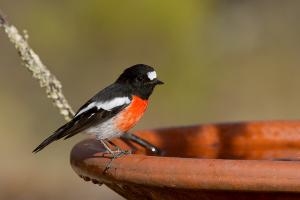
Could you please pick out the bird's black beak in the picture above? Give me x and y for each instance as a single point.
(155, 82)
(158, 82)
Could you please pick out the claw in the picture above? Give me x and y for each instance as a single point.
(122, 153)
(114, 153)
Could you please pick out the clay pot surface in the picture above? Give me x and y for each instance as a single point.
(245, 160)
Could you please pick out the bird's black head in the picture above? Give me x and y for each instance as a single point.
(141, 79)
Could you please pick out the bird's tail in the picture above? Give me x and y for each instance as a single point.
(60, 133)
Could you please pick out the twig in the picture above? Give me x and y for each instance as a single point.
(38, 70)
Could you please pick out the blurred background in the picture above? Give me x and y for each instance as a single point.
(222, 61)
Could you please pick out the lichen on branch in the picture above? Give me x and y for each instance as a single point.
(38, 70)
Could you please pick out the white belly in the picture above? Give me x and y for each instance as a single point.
(105, 130)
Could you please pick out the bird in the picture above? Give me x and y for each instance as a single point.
(112, 111)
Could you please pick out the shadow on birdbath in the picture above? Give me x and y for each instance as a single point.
(246, 160)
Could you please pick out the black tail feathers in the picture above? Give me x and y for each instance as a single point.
(47, 141)
(60, 133)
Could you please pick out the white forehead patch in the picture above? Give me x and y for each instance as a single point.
(152, 75)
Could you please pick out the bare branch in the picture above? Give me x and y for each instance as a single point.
(38, 70)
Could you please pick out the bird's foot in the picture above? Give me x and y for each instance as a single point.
(119, 153)
(116, 154)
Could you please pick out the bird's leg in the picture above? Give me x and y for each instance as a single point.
(114, 145)
(107, 147)
(118, 148)
(116, 154)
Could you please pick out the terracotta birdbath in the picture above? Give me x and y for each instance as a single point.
(246, 160)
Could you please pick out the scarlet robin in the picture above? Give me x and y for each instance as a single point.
(112, 111)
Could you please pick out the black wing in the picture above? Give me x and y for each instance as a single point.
(79, 123)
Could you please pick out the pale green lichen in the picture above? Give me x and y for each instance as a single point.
(38, 70)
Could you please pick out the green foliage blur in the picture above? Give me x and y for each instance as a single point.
(221, 61)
